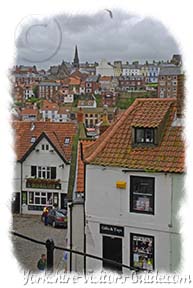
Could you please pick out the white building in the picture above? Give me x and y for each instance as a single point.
(28, 92)
(69, 98)
(63, 115)
(43, 152)
(134, 184)
(49, 110)
(131, 70)
(104, 69)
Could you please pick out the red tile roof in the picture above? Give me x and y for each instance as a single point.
(63, 110)
(146, 117)
(49, 106)
(74, 80)
(55, 132)
(29, 111)
(105, 78)
(114, 147)
(80, 166)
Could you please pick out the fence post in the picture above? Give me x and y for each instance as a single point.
(50, 254)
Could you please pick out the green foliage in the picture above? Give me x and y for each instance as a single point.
(19, 104)
(76, 98)
(33, 100)
(125, 103)
(35, 91)
(98, 100)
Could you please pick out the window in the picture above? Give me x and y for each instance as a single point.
(37, 198)
(43, 172)
(31, 197)
(142, 251)
(144, 135)
(45, 147)
(66, 140)
(142, 194)
(33, 139)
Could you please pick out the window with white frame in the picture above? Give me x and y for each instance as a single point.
(37, 198)
(42, 198)
(66, 140)
(45, 172)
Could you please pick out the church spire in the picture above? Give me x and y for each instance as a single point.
(76, 59)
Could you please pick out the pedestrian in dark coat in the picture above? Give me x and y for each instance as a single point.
(42, 262)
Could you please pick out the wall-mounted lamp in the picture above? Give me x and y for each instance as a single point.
(61, 166)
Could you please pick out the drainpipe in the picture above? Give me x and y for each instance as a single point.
(21, 187)
(82, 159)
(70, 207)
(84, 223)
(171, 222)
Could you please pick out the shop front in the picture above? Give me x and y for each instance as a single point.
(35, 201)
(112, 245)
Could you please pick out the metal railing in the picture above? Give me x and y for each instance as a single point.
(50, 246)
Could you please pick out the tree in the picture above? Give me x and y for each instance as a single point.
(35, 91)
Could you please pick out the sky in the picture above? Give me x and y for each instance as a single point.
(47, 41)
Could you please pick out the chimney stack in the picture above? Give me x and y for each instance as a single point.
(80, 116)
(105, 124)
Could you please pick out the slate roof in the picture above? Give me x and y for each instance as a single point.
(49, 84)
(115, 148)
(176, 70)
(55, 133)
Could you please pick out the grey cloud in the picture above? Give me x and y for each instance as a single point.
(126, 37)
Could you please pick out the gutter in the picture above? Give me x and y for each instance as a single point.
(21, 187)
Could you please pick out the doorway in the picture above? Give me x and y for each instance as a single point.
(16, 203)
(112, 250)
(64, 201)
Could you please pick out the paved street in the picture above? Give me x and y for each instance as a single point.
(28, 253)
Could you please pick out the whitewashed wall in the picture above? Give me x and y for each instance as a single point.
(46, 158)
(108, 205)
(17, 177)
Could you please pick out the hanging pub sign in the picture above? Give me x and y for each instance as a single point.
(111, 230)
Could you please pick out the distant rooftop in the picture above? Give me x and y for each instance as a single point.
(170, 70)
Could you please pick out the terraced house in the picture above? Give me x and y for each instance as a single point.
(134, 184)
(43, 157)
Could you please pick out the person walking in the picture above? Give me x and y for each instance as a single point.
(46, 216)
(42, 263)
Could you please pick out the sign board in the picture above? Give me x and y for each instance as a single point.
(111, 230)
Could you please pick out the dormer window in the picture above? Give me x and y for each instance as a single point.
(144, 135)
